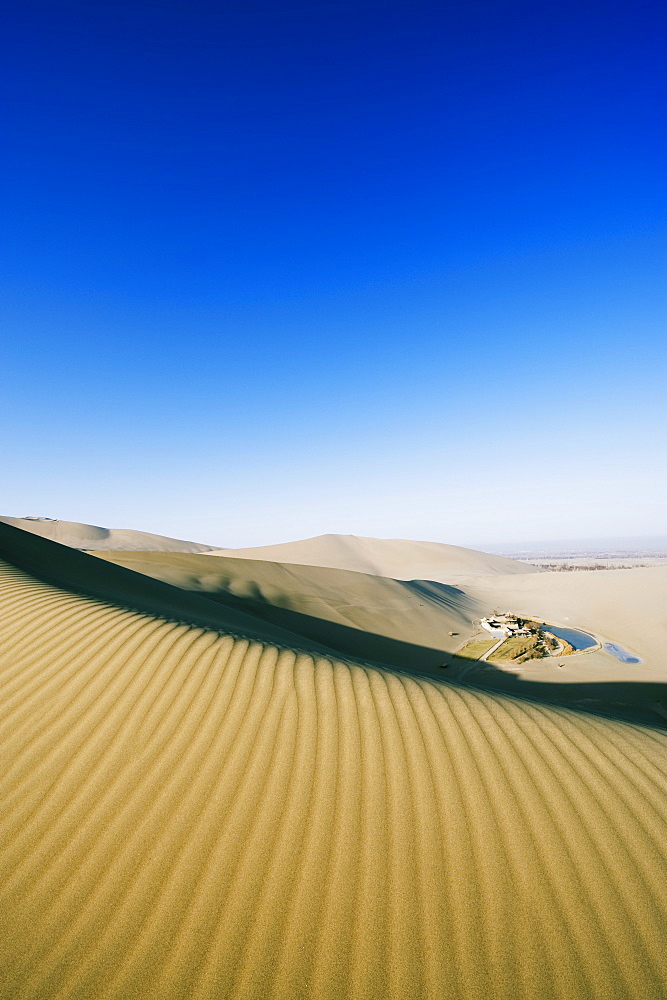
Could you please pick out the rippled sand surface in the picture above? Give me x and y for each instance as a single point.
(193, 814)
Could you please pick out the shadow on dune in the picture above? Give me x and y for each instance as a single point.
(633, 701)
(80, 573)
(444, 594)
(255, 618)
(341, 639)
(644, 702)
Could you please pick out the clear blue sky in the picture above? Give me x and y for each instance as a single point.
(386, 268)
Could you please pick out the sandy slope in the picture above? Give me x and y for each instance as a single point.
(402, 623)
(408, 623)
(627, 604)
(191, 815)
(392, 557)
(89, 536)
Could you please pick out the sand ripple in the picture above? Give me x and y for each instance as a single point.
(192, 815)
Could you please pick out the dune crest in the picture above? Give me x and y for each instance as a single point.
(190, 814)
(396, 622)
(92, 537)
(397, 558)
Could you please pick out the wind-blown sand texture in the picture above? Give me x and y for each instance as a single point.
(398, 622)
(408, 623)
(90, 536)
(189, 814)
(397, 558)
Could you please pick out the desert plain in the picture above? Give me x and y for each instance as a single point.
(271, 773)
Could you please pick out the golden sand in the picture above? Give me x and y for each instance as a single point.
(188, 814)
(399, 623)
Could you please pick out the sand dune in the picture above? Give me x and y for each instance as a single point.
(402, 623)
(54, 563)
(392, 557)
(408, 624)
(191, 814)
(91, 537)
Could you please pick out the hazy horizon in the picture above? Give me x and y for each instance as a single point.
(383, 269)
(620, 544)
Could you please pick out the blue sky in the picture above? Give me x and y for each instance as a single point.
(383, 268)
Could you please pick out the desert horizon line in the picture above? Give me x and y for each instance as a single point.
(650, 543)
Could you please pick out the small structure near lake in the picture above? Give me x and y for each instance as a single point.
(507, 625)
(515, 640)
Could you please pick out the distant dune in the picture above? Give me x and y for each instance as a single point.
(187, 813)
(392, 557)
(89, 536)
(401, 623)
(416, 624)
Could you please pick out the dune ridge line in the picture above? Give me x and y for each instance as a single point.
(189, 814)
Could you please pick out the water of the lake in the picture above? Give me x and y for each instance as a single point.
(578, 640)
(620, 653)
